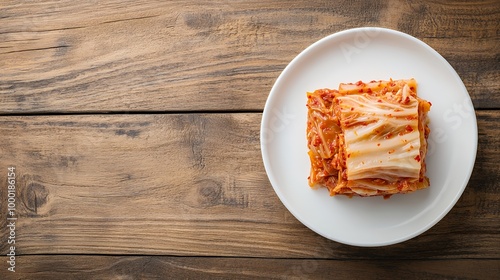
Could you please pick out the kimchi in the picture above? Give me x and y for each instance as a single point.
(368, 139)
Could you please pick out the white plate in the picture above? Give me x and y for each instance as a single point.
(369, 54)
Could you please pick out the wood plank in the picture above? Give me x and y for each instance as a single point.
(195, 185)
(101, 56)
(158, 267)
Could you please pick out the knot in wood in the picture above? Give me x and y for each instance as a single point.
(35, 196)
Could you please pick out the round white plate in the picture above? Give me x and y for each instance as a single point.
(369, 54)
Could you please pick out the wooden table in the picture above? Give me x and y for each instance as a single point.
(133, 127)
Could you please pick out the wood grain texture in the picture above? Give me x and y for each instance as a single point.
(194, 185)
(173, 192)
(155, 267)
(124, 56)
